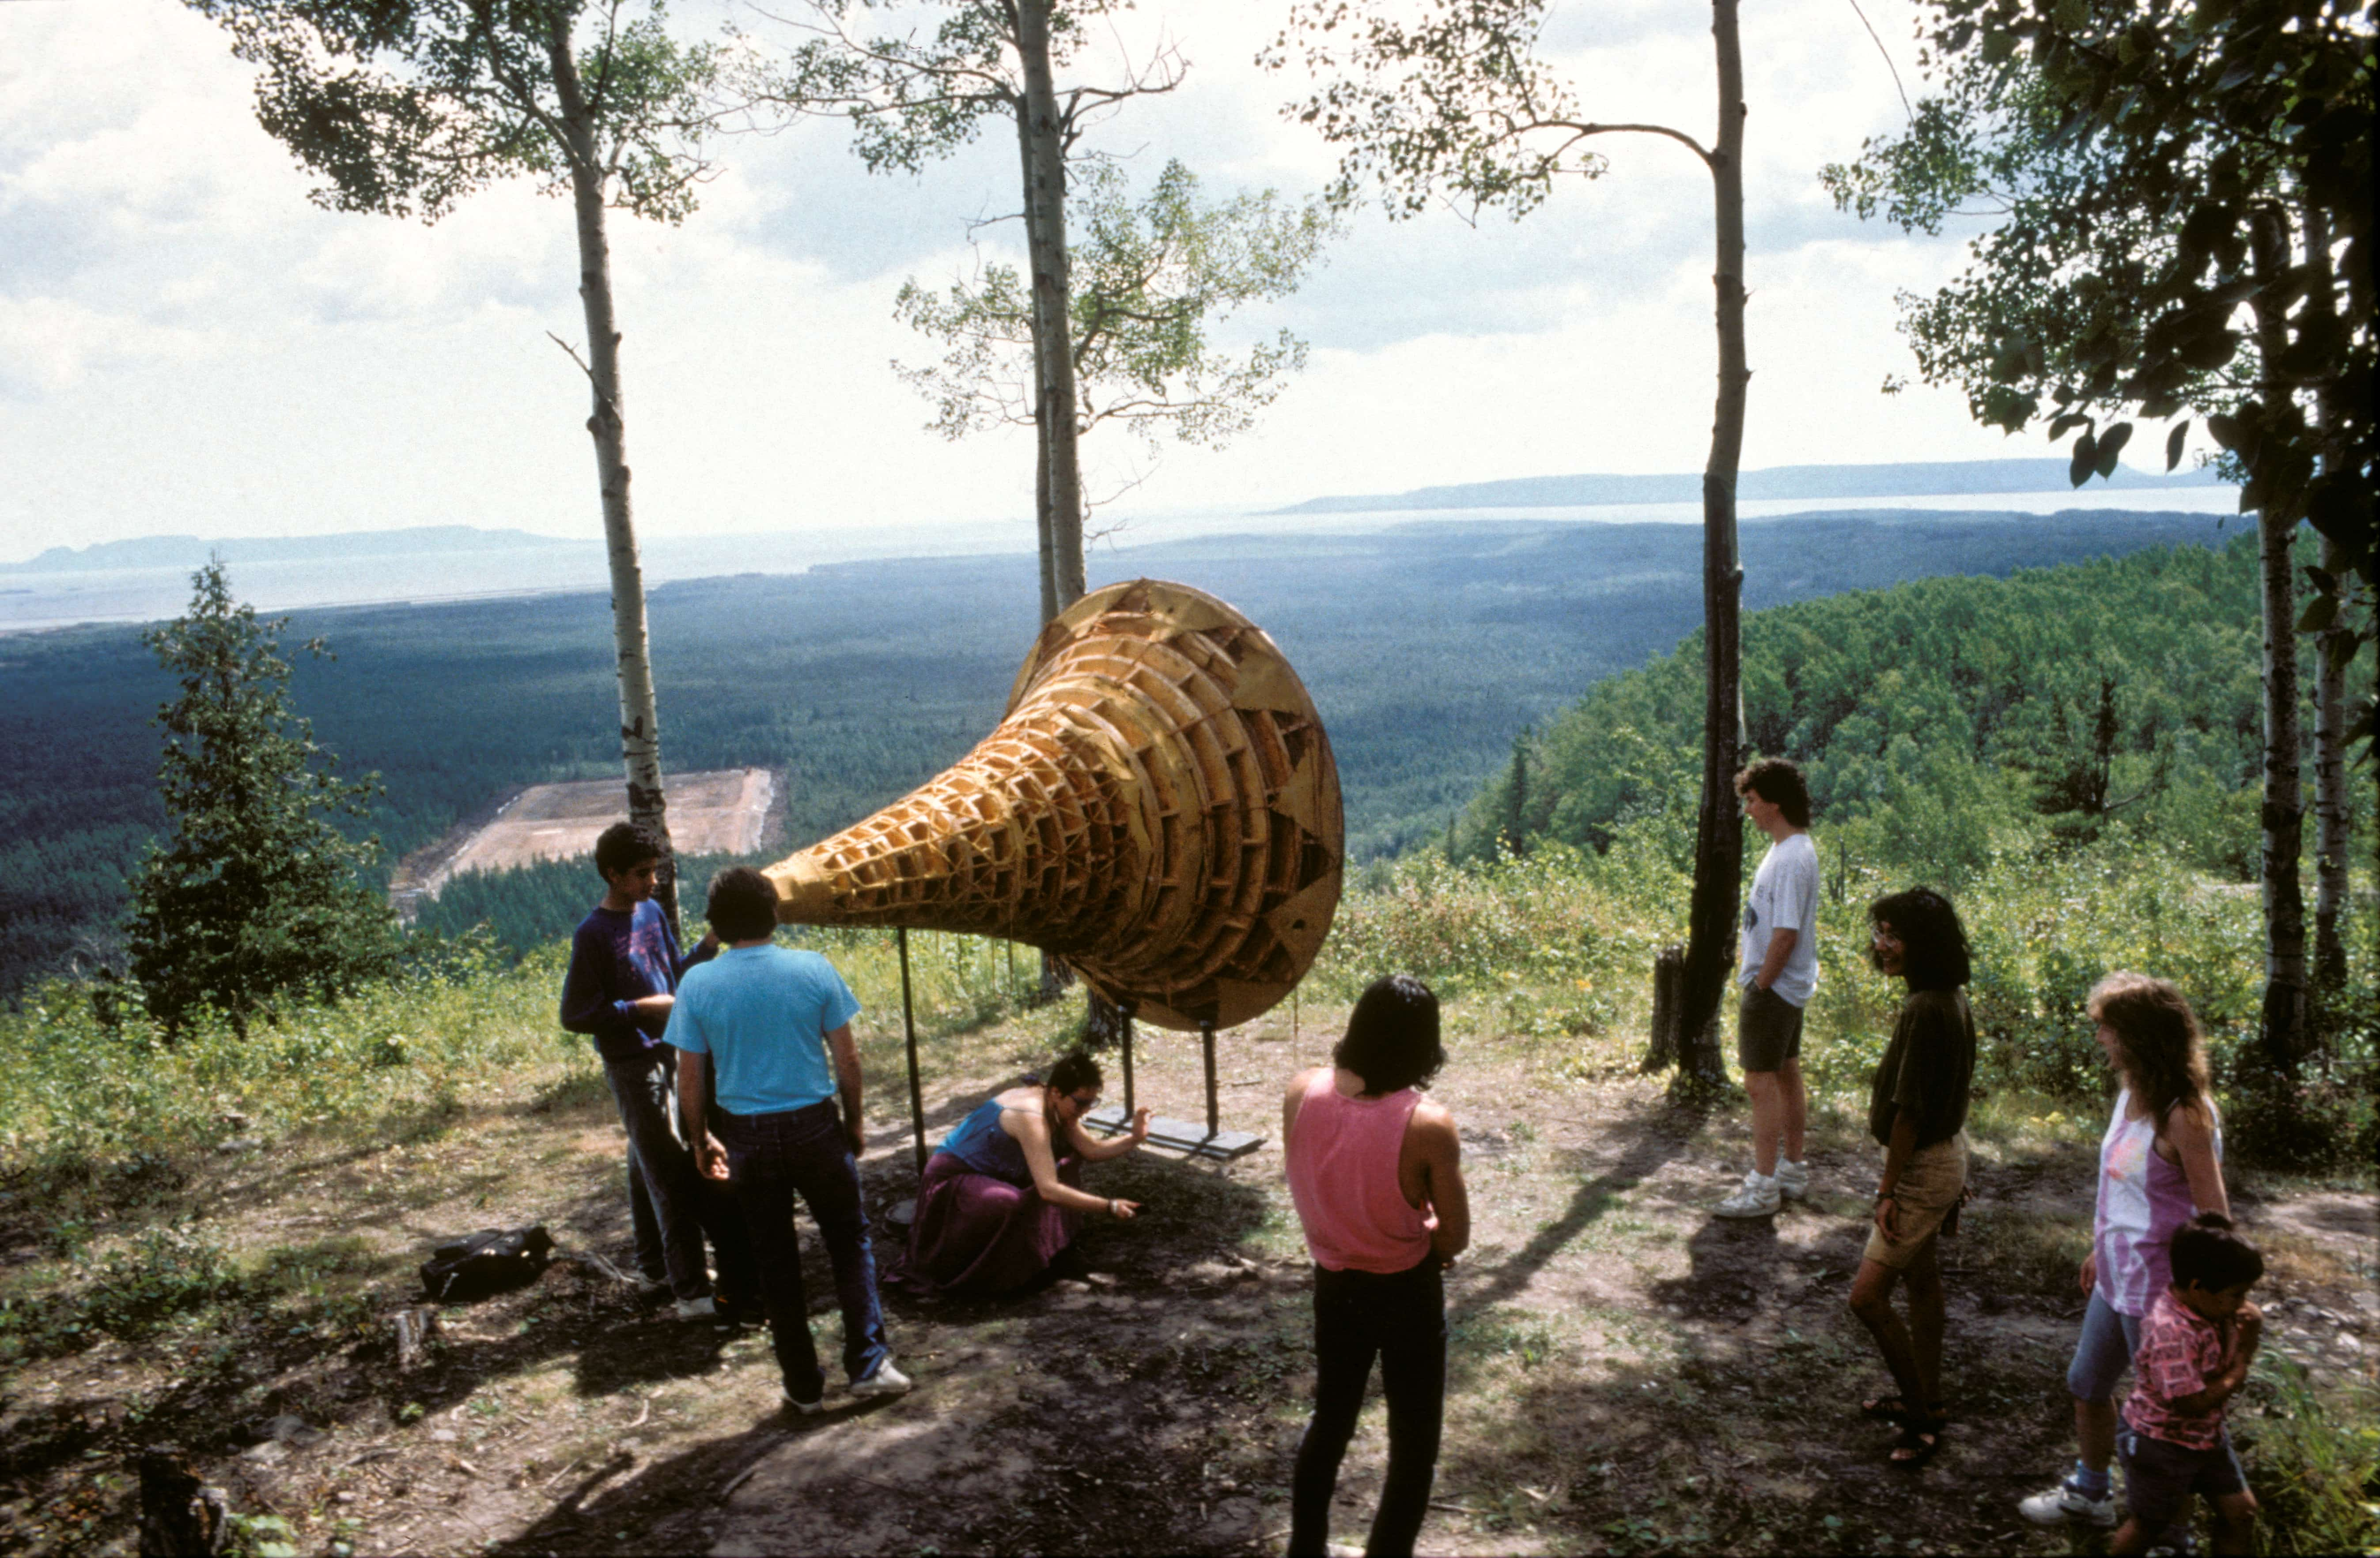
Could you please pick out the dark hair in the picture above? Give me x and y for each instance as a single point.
(1778, 782)
(1073, 1071)
(2208, 1253)
(1392, 1038)
(742, 904)
(1934, 944)
(2164, 1056)
(623, 846)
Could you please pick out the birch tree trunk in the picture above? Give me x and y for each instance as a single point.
(2283, 813)
(640, 745)
(1718, 831)
(2334, 648)
(1045, 236)
(1044, 530)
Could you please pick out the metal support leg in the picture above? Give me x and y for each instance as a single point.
(909, 1028)
(1127, 1063)
(1207, 1042)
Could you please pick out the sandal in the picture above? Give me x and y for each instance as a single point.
(1920, 1438)
(1893, 1409)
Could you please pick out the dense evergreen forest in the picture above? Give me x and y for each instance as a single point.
(2051, 705)
(1427, 646)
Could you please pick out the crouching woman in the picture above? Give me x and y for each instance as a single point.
(1002, 1197)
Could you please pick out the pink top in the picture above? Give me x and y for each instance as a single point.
(2143, 1200)
(1343, 1175)
(2180, 1351)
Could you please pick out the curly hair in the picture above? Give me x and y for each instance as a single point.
(742, 905)
(2159, 1048)
(1934, 944)
(1778, 782)
(623, 847)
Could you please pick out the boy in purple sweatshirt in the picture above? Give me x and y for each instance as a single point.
(625, 966)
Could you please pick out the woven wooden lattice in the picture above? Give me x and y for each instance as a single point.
(1160, 808)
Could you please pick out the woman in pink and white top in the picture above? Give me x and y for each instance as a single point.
(1376, 1170)
(2160, 1164)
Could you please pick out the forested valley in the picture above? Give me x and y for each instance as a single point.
(1427, 646)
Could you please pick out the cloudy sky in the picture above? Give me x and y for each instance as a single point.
(186, 344)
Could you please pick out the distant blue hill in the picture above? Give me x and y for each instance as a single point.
(1931, 479)
(190, 552)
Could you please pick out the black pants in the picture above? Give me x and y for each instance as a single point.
(1401, 1319)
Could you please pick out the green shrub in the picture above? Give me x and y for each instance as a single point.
(2313, 1464)
(161, 1273)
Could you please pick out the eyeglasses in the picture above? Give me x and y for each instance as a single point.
(1080, 1103)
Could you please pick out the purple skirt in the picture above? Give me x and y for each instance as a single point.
(975, 1236)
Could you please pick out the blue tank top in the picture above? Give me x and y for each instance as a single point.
(981, 1145)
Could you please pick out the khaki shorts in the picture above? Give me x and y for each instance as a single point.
(1930, 1185)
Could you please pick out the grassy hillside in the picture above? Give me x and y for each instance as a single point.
(1426, 646)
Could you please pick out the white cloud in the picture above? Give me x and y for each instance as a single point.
(187, 344)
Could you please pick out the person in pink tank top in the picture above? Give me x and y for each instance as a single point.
(1376, 1170)
(2160, 1162)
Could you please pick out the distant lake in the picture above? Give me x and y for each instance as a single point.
(30, 601)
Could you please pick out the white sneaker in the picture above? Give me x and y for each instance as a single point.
(2055, 1506)
(806, 1408)
(1793, 1181)
(704, 1307)
(883, 1380)
(1756, 1196)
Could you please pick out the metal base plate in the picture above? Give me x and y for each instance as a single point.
(1176, 1135)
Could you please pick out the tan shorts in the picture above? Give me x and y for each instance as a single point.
(1930, 1184)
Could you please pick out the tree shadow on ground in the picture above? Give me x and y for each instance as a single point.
(1645, 1142)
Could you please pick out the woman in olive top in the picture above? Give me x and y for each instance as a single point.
(1917, 1112)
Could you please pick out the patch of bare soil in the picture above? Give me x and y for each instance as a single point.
(1627, 1373)
(727, 811)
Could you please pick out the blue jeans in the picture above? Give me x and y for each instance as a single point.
(2110, 1341)
(769, 1158)
(1401, 1319)
(673, 1186)
(671, 1206)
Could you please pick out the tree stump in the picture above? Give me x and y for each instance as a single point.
(180, 1517)
(1668, 1008)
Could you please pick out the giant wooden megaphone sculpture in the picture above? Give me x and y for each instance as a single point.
(1159, 808)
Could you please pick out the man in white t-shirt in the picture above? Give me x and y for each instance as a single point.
(1779, 973)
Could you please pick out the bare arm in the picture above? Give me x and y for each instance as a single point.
(2250, 1330)
(1897, 1153)
(694, 1109)
(1440, 1148)
(1032, 1134)
(2192, 1135)
(1781, 944)
(1092, 1152)
(847, 1083)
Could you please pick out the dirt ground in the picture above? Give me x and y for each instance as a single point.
(719, 812)
(1627, 1373)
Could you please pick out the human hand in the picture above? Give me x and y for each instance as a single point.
(653, 1005)
(855, 1131)
(2251, 1318)
(1140, 1125)
(1123, 1211)
(2090, 1271)
(1888, 1220)
(710, 1157)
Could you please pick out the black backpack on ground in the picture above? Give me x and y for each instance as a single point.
(492, 1261)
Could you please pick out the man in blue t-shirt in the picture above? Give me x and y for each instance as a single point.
(624, 968)
(767, 1017)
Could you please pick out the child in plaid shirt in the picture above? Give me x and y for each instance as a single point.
(2196, 1343)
